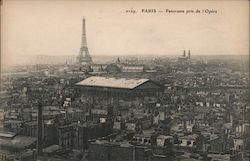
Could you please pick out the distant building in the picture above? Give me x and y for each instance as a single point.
(16, 147)
(66, 136)
(133, 68)
(113, 68)
(117, 151)
(225, 157)
(106, 96)
(185, 57)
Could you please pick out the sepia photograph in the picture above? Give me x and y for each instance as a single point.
(117, 80)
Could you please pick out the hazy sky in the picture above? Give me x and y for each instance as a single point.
(54, 28)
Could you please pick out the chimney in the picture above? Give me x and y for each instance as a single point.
(184, 53)
(40, 129)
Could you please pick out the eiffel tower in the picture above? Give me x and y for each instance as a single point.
(84, 58)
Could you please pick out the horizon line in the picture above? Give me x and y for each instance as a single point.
(143, 55)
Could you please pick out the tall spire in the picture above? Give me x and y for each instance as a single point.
(84, 40)
(189, 54)
(84, 57)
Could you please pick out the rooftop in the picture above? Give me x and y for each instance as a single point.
(189, 137)
(112, 82)
(18, 142)
(7, 134)
(52, 148)
(164, 137)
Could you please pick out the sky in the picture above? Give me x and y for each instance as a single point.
(54, 28)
